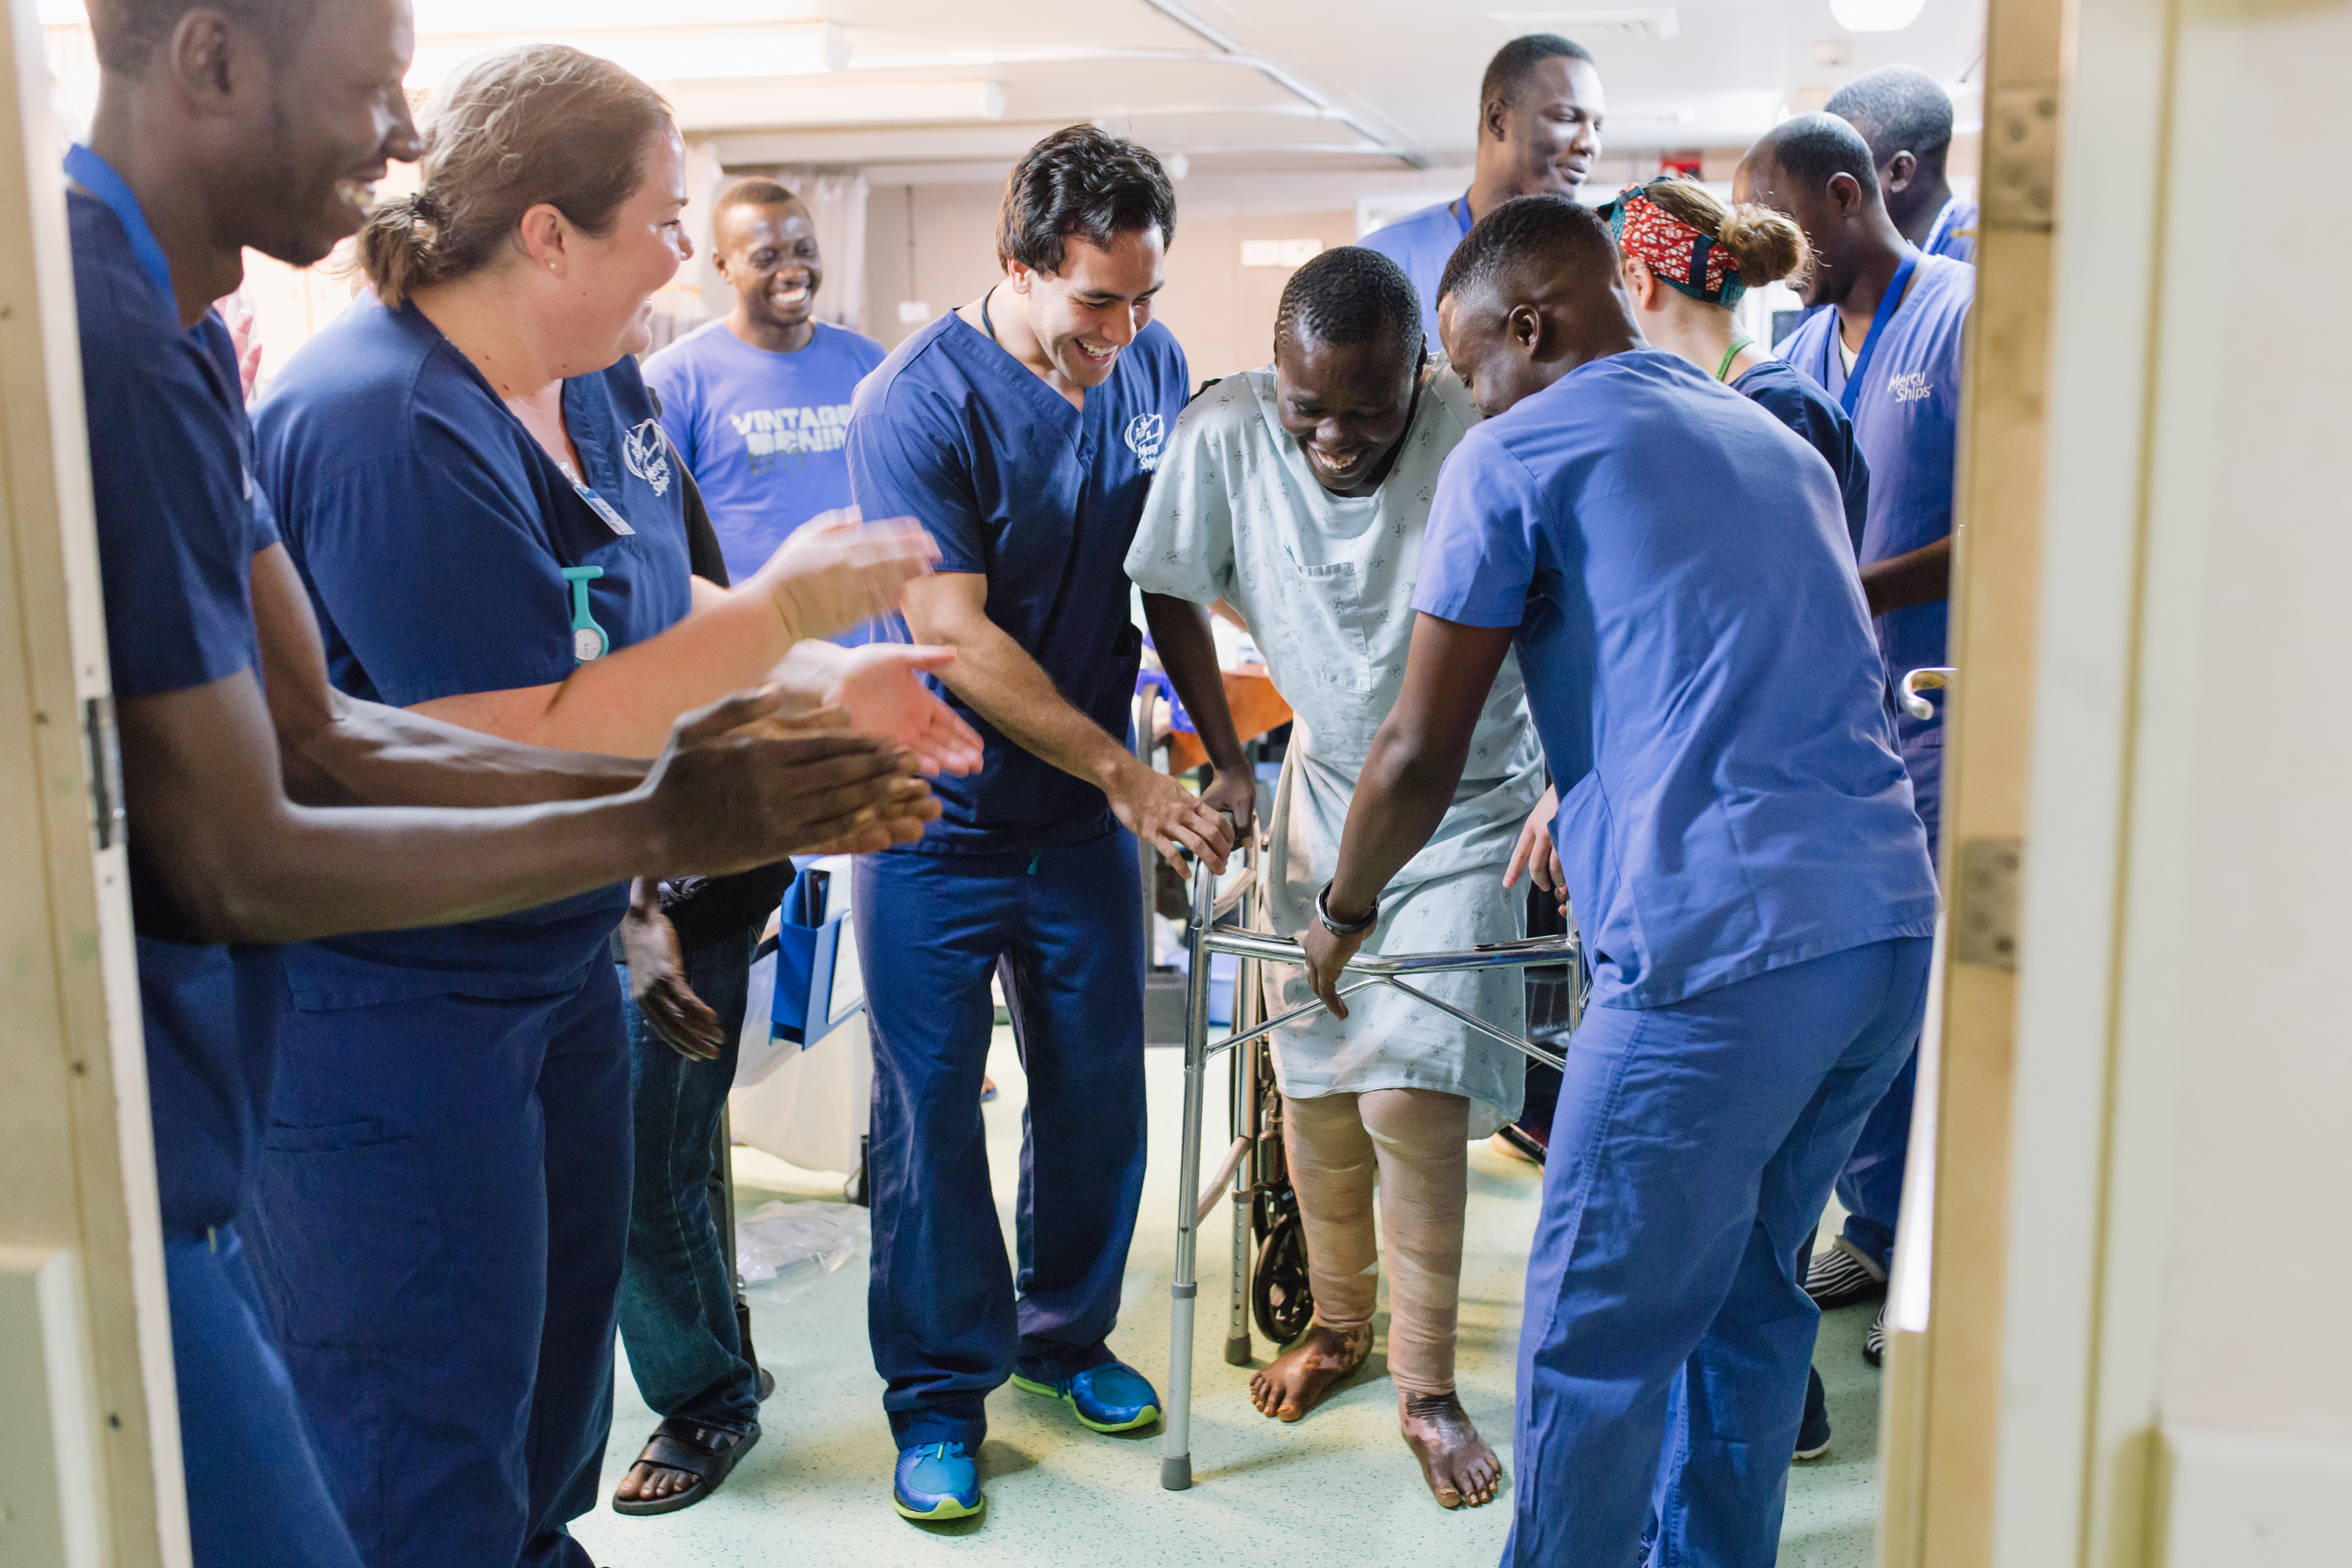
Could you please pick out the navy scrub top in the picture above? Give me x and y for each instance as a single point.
(178, 525)
(1700, 667)
(1043, 500)
(1796, 400)
(432, 531)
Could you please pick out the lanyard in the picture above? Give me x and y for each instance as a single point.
(1723, 370)
(1888, 303)
(1463, 216)
(95, 175)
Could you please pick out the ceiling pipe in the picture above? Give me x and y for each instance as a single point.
(1234, 54)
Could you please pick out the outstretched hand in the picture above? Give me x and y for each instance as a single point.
(880, 687)
(678, 1018)
(833, 572)
(742, 784)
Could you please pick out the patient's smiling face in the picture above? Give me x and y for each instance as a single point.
(1346, 405)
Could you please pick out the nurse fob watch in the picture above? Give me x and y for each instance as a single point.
(588, 639)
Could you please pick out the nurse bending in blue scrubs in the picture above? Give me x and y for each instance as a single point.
(1023, 430)
(1747, 872)
(240, 789)
(474, 482)
(1890, 352)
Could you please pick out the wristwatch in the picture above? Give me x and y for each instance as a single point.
(1339, 927)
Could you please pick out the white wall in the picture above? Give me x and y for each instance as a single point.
(2177, 1374)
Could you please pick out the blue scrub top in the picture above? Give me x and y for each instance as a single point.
(1906, 415)
(1043, 500)
(1699, 666)
(1796, 400)
(764, 435)
(1423, 243)
(433, 531)
(178, 526)
(1954, 233)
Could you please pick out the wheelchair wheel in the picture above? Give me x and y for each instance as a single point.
(1281, 1299)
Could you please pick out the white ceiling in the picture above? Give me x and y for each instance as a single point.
(1259, 85)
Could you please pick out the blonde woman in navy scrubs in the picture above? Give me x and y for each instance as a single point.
(474, 481)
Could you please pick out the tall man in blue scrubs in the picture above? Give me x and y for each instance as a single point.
(1890, 354)
(1737, 836)
(1906, 117)
(756, 403)
(1022, 431)
(264, 124)
(1539, 114)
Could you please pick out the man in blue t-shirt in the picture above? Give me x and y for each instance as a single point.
(237, 750)
(1889, 349)
(1738, 839)
(1539, 114)
(1906, 117)
(758, 402)
(1023, 430)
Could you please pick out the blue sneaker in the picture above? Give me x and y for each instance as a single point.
(1112, 1397)
(936, 1481)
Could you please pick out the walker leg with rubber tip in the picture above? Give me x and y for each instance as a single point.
(1176, 1451)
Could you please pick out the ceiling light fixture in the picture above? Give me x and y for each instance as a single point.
(1877, 15)
(662, 54)
(1617, 22)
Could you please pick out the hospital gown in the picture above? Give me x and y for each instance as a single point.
(1326, 583)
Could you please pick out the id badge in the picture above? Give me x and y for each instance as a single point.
(605, 509)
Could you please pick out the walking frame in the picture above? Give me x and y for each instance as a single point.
(1248, 1165)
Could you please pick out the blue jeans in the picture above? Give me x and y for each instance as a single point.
(678, 1287)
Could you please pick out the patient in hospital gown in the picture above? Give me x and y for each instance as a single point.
(1297, 494)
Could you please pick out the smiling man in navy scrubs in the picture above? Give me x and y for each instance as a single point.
(1889, 351)
(264, 124)
(1539, 114)
(1022, 431)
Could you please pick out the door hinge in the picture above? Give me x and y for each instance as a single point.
(106, 816)
(1984, 914)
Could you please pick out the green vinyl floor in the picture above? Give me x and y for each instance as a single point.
(1338, 1488)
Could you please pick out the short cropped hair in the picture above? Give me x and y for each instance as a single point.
(1084, 182)
(1898, 109)
(1814, 147)
(758, 191)
(1551, 226)
(1517, 60)
(1349, 295)
(126, 33)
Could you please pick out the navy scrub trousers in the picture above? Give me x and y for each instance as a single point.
(1667, 1336)
(441, 1218)
(1060, 928)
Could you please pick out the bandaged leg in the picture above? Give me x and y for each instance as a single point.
(1331, 1165)
(1421, 1141)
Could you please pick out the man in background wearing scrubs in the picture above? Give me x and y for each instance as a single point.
(1023, 430)
(1889, 351)
(1539, 114)
(1738, 835)
(1906, 117)
(757, 405)
(266, 125)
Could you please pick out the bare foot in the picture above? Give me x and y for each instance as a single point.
(1456, 1462)
(651, 1483)
(1300, 1377)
